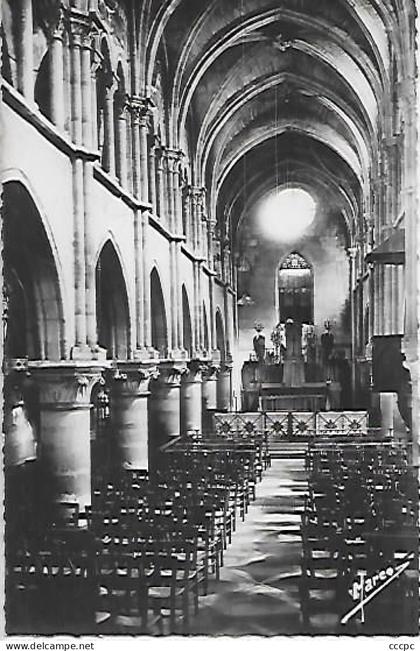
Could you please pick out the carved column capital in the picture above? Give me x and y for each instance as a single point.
(140, 108)
(66, 387)
(210, 372)
(194, 372)
(60, 25)
(172, 374)
(80, 30)
(130, 378)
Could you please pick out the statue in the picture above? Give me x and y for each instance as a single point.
(277, 337)
(259, 343)
(327, 345)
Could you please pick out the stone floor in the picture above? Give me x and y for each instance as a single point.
(258, 591)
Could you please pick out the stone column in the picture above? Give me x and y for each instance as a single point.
(78, 30)
(224, 380)
(172, 158)
(191, 399)
(152, 172)
(352, 252)
(165, 405)
(76, 83)
(109, 131)
(95, 65)
(209, 393)
(67, 84)
(24, 54)
(89, 207)
(130, 417)
(135, 108)
(186, 219)
(86, 85)
(65, 430)
(147, 308)
(19, 434)
(144, 153)
(388, 303)
(139, 280)
(57, 75)
(121, 138)
(160, 202)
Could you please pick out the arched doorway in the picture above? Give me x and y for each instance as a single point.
(159, 322)
(112, 313)
(186, 323)
(295, 289)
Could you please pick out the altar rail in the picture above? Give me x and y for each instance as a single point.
(292, 424)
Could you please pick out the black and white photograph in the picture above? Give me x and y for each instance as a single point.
(210, 220)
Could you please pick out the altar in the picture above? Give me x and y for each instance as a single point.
(297, 375)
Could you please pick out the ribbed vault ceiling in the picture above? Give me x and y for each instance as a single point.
(275, 92)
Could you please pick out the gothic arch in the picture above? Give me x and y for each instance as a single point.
(35, 320)
(295, 295)
(186, 323)
(112, 305)
(158, 315)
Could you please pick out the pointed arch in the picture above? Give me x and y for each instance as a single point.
(186, 322)
(42, 88)
(295, 289)
(34, 306)
(159, 320)
(112, 305)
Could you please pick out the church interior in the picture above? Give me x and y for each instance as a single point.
(210, 316)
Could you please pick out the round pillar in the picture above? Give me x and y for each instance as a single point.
(209, 394)
(129, 413)
(191, 399)
(65, 432)
(19, 442)
(224, 389)
(165, 406)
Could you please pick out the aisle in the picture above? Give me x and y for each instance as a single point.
(258, 588)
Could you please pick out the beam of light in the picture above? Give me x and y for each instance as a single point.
(284, 216)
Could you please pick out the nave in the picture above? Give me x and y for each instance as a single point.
(210, 261)
(226, 540)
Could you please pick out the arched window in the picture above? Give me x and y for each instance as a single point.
(295, 288)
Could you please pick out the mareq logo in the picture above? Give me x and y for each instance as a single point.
(367, 587)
